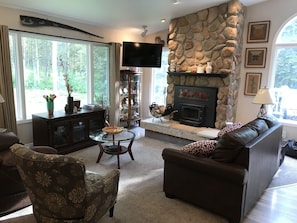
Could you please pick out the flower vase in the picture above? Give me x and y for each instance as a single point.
(208, 68)
(70, 104)
(50, 107)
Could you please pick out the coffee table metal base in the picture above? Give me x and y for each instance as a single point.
(114, 150)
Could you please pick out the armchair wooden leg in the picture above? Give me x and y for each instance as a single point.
(111, 212)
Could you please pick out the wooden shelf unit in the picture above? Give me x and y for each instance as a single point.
(197, 74)
(130, 101)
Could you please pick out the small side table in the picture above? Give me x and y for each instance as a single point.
(110, 143)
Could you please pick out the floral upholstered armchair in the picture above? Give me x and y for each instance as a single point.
(61, 190)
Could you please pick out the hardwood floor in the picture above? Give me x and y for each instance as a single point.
(277, 205)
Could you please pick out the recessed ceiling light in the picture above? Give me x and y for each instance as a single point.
(163, 20)
(175, 2)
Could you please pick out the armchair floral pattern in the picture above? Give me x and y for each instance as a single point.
(60, 188)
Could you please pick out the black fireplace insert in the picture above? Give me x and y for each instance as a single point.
(196, 106)
(192, 114)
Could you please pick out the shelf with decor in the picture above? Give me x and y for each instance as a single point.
(197, 74)
(130, 97)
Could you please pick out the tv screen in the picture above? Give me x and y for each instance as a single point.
(137, 54)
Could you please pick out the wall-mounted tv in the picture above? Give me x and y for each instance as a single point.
(136, 54)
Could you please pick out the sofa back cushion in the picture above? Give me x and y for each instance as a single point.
(230, 144)
(270, 120)
(259, 125)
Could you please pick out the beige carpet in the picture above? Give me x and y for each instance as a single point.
(140, 198)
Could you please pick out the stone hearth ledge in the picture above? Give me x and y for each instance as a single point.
(174, 128)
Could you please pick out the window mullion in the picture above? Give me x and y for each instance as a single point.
(20, 89)
(90, 85)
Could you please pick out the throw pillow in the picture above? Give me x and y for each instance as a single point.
(229, 128)
(200, 148)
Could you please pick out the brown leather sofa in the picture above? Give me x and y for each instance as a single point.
(231, 180)
(13, 195)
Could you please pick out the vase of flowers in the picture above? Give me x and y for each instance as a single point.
(69, 106)
(50, 103)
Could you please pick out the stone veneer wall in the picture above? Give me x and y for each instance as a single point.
(211, 35)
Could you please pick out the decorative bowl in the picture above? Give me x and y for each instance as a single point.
(112, 129)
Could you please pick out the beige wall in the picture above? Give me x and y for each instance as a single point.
(11, 18)
(278, 12)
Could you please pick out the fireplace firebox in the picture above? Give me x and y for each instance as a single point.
(192, 114)
(196, 106)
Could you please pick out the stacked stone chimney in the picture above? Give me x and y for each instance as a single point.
(211, 35)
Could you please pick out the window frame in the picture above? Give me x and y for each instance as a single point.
(20, 99)
(276, 47)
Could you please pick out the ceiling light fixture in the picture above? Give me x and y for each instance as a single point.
(175, 2)
(163, 20)
(144, 31)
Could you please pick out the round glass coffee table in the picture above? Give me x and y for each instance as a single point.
(111, 143)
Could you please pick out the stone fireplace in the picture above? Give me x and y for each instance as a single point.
(196, 106)
(211, 35)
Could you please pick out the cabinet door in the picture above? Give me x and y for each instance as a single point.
(96, 122)
(61, 135)
(79, 130)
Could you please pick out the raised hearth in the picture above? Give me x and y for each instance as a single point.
(173, 130)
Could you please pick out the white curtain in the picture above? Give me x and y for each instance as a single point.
(7, 109)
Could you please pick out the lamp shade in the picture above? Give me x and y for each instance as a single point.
(263, 96)
(1, 99)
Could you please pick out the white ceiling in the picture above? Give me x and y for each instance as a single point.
(119, 14)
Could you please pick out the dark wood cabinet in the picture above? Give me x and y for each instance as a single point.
(67, 132)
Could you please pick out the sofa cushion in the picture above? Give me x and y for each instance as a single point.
(230, 144)
(259, 125)
(270, 120)
(200, 148)
(7, 139)
(229, 128)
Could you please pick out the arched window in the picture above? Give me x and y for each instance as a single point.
(284, 74)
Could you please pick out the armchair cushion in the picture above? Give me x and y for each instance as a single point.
(61, 190)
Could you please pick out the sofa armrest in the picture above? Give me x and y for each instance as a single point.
(229, 172)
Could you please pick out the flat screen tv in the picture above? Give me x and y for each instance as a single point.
(136, 54)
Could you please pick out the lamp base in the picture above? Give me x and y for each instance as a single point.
(262, 111)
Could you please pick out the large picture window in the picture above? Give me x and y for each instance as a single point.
(40, 63)
(284, 81)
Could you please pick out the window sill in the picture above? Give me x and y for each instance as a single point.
(287, 122)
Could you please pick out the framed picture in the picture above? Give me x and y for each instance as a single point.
(258, 32)
(255, 57)
(252, 83)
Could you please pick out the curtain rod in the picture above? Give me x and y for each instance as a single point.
(59, 36)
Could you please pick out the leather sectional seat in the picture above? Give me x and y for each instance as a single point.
(229, 180)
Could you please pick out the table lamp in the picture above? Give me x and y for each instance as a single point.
(263, 97)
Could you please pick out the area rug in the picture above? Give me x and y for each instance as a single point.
(141, 198)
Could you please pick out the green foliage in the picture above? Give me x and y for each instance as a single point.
(286, 68)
